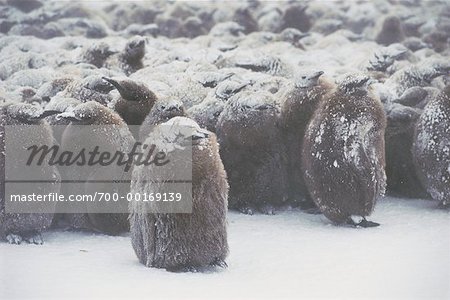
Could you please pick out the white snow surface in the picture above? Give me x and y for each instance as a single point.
(286, 256)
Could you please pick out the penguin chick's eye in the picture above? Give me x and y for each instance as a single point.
(303, 77)
(263, 107)
(163, 107)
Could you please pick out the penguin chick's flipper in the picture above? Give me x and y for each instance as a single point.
(33, 238)
(14, 239)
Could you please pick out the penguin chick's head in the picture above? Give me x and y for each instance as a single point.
(90, 113)
(96, 83)
(135, 49)
(351, 83)
(177, 134)
(167, 108)
(307, 79)
(28, 113)
(254, 102)
(131, 90)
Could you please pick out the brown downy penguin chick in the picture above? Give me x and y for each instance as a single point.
(91, 88)
(431, 148)
(391, 31)
(16, 227)
(134, 102)
(343, 152)
(177, 241)
(402, 179)
(96, 54)
(297, 108)
(253, 152)
(115, 137)
(130, 59)
(163, 110)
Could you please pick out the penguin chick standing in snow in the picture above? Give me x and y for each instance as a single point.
(16, 227)
(130, 59)
(134, 102)
(253, 152)
(111, 137)
(297, 109)
(183, 241)
(343, 153)
(391, 31)
(431, 148)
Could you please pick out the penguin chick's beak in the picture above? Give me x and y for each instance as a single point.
(47, 113)
(115, 84)
(317, 74)
(69, 116)
(199, 135)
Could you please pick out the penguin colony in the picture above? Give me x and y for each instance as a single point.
(320, 105)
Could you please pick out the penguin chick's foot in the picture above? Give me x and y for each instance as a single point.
(34, 238)
(361, 223)
(246, 210)
(14, 239)
(267, 209)
(218, 262)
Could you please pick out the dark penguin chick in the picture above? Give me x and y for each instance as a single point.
(207, 113)
(211, 79)
(243, 17)
(50, 89)
(343, 152)
(297, 108)
(384, 58)
(402, 179)
(228, 88)
(163, 110)
(182, 241)
(253, 152)
(17, 227)
(113, 136)
(134, 101)
(293, 36)
(91, 88)
(416, 75)
(414, 43)
(431, 148)
(295, 17)
(96, 54)
(130, 59)
(391, 31)
(25, 5)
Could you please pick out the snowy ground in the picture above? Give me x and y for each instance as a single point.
(290, 255)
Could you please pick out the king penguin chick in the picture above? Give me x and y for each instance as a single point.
(17, 227)
(130, 59)
(431, 148)
(391, 31)
(343, 153)
(253, 152)
(134, 102)
(177, 241)
(298, 106)
(163, 110)
(112, 136)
